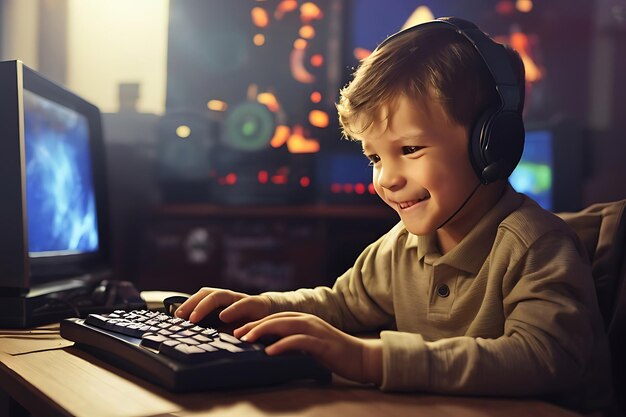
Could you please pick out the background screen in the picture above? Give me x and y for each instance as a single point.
(60, 198)
(534, 174)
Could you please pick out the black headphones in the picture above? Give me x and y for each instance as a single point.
(497, 138)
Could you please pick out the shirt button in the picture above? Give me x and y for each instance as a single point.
(443, 291)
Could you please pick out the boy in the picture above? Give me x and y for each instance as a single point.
(477, 290)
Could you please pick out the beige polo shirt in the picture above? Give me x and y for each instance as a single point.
(510, 311)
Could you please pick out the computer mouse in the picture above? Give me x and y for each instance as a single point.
(268, 339)
(213, 321)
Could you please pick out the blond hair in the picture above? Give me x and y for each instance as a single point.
(424, 65)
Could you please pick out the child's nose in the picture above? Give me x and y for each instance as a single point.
(390, 178)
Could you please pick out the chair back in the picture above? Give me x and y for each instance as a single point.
(602, 229)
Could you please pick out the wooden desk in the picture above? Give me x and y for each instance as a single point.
(49, 377)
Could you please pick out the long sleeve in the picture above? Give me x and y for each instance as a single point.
(510, 311)
(360, 300)
(552, 341)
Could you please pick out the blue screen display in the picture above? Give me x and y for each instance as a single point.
(534, 174)
(60, 196)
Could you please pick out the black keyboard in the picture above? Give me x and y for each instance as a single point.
(182, 356)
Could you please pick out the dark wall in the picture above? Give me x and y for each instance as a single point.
(605, 115)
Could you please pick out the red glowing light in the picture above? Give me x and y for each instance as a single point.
(305, 181)
(359, 188)
(263, 177)
(316, 96)
(348, 188)
(371, 188)
(279, 179)
(317, 60)
(231, 179)
(505, 7)
(335, 188)
(361, 53)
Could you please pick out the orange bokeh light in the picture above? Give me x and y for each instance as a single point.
(318, 118)
(310, 11)
(317, 60)
(521, 43)
(524, 6)
(259, 17)
(297, 143)
(297, 67)
(269, 99)
(299, 43)
(281, 134)
(307, 32)
(361, 53)
(217, 105)
(316, 96)
(285, 6)
(258, 39)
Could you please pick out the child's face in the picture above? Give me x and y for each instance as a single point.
(420, 162)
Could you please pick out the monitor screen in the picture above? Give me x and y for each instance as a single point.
(534, 175)
(60, 194)
(54, 213)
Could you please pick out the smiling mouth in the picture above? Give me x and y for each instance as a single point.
(406, 204)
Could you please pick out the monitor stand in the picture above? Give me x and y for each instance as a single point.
(71, 297)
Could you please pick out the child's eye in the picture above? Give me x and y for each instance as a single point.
(406, 150)
(373, 159)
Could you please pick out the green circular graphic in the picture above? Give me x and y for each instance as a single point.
(249, 127)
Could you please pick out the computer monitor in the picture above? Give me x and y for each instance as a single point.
(534, 175)
(551, 169)
(53, 208)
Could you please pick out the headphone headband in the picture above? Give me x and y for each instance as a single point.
(497, 137)
(490, 51)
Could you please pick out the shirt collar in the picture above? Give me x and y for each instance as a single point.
(470, 254)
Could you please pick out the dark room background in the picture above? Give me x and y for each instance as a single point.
(226, 165)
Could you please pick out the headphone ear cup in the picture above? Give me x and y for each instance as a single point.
(497, 147)
(476, 140)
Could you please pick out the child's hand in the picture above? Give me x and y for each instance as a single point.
(353, 358)
(239, 306)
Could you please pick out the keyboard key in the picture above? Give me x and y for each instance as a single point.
(225, 346)
(189, 349)
(188, 341)
(171, 342)
(229, 339)
(207, 347)
(201, 338)
(98, 321)
(152, 340)
(189, 354)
